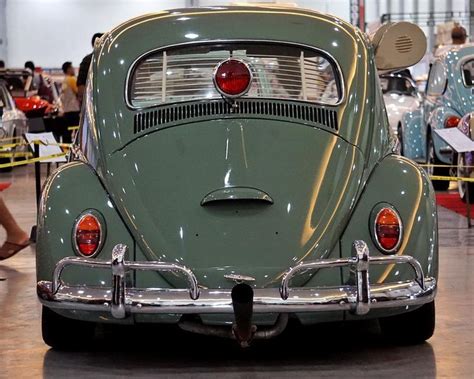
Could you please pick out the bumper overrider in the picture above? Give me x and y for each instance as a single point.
(359, 297)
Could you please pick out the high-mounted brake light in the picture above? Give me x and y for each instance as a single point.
(388, 230)
(88, 234)
(232, 77)
(452, 122)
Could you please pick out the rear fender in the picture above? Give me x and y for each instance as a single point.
(71, 190)
(401, 183)
(437, 120)
(414, 135)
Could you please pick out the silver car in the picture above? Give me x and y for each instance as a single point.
(13, 122)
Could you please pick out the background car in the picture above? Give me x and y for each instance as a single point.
(465, 161)
(228, 202)
(449, 96)
(400, 95)
(33, 102)
(13, 122)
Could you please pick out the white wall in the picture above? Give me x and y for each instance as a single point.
(338, 8)
(50, 32)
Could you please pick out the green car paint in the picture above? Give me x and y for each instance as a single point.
(150, 186)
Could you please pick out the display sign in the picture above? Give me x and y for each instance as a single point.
(49, 146)
(456, 139)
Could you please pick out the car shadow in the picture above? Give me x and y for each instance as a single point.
(351, 348)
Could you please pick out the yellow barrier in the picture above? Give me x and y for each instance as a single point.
(451, 178)
(73, 128)
(18, 154)
(38, 142)
(32, 160)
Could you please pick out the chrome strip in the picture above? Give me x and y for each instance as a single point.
(217, 41)
(178, 301)
(358, 298)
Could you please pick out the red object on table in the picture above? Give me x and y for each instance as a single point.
(453, 202)
(4, 186)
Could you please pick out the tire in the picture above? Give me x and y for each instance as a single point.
(464, 186)
(63, 333)
(439, 185)
(410, 328)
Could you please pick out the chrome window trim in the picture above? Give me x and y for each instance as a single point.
(460, 70)
(324, 53)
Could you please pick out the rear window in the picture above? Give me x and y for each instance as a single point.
(468, 72)
(397, 85)
(279, 71)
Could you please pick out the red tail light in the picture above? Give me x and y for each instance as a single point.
(388, 230)
(88, 235)
(452, 122)
(232, 78)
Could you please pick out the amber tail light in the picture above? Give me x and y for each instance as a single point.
(452, 122)
(388, 230)
(88, 234)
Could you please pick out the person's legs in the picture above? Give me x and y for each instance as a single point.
(71, 119)
(15, 234)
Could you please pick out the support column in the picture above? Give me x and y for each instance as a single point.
(471, 19)
(3, 30)
(431, 25)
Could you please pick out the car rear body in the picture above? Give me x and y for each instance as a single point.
(278, 188)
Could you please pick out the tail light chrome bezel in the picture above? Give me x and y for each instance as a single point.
(377, 210)
(102, 232)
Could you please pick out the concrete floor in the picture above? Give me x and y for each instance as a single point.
(350, 350)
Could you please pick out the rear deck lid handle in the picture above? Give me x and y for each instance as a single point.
(236, 194)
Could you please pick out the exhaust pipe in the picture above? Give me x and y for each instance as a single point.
(242, 302)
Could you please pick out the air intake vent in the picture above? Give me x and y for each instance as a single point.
(404, 44)
(179, 113)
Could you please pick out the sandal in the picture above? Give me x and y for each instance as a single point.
(9, 249)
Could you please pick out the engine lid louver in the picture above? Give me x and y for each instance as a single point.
(179, 113)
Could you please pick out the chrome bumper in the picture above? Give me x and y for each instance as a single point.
(359, 297)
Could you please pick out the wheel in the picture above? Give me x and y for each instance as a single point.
(400, 138)
(464, 173)
(63, 333)
(439, 185)
(412, 327)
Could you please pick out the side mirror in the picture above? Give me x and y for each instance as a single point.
(1, 109)
(398, 45)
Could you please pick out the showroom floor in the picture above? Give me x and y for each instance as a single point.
(349, 350)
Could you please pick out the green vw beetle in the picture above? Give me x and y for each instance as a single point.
(234, 169)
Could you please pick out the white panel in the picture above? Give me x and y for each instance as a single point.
(50, 32)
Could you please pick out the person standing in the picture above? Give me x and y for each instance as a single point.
(458, 35)
(84, 69)
(35, 76)
(69, 101)
(17, 239)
